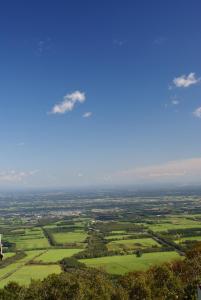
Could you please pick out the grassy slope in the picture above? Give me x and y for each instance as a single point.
(19, 263)
(122, 264)
(54, 255)
(70, 237)
(133, 243)
(188, 238)
(175, 223)
(28, 272)
(117, 236)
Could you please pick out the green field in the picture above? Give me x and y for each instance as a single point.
(118, 231)
(127, 263)
(132, 244)
(55, 255)
(122, 237)
(69, 237)
(30, 239)
(188, 238)
(24, 274)
(8, 254)
(174, 222)
(117, 237)
(6, 271)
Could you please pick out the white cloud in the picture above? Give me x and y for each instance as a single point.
(197, 112)
(15, 176)
(87, 114)
(68, 102)
(187, 168)
(186, 80)
(175, 102)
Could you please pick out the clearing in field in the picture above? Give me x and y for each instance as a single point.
(55, 255)
(27, 272)
(69, 237)
(132, 244)
(121, 264)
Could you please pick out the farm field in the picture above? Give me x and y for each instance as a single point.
(188, 238)
(101, 238)
(133, 244)
(175, 222)
(24, 274)
(126, 263)
(118, 231)
(167, 226)
(4, 272)
(54, 255)
(31, 239)
(8, 254)
(69, 237)
(117, 237)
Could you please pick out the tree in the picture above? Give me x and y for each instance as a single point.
(164, 284)
(138, 253)
(71, 263)
(12, 291)
(136, 285)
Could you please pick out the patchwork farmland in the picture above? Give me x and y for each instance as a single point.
(132, 237)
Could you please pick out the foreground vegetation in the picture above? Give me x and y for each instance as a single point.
(176, 280)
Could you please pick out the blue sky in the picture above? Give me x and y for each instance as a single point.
(100, 92)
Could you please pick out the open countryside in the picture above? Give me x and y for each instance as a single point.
(132, 237)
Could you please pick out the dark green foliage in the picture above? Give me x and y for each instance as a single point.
(71, 263)
(78, 285)
(96, 247)
(48, 234)
(12, 291)
(164, 284)
(136, 285)
(138, 253)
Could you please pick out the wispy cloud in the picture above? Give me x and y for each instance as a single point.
(172, 169)
(175, 102)
(87, 114)
(20, 144)
(186, 80)
(43, 45)
(68, 102)
(119, 43)
(160, 40)
(197, 112)
(15, 176)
